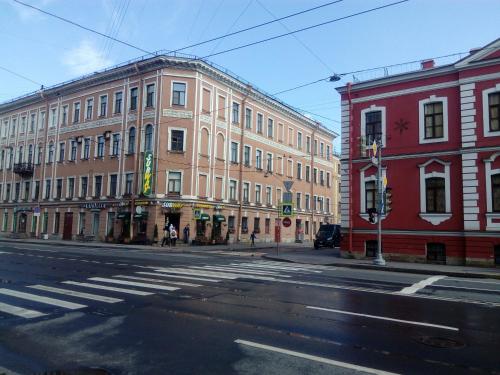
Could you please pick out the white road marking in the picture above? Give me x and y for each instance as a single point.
(3, 252)
(158, 281)
(384, 318)
(178, 277)
(239, 270)
(420, 285)
(466, 288)
(41, 299)
(473, 281)
(18, 311)
(111, 288)
(314, 358)
(301, 265)
(73, 293)
(269, 267)
(226, 275)
(133, 283)
(195, 273)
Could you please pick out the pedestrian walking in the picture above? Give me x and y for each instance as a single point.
(253, 237)
(186, 234)
(166, 236)
(173, 236)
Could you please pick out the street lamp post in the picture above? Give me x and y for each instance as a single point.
(379, 260)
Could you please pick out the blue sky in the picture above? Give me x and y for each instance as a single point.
(49, 51)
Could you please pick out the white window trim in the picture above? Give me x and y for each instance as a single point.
(373, 108)
(206, 185)
(172, 94)
(223, 145)
(249, 191)
(80, 186)
(435, 218)
(251, 118)
(490, 215)
(108, 187)
(168, 180)
(299, 144)
(40, 120)
(237, 152)
(299, 175)
(235, 190)
(421, 119)
(225, 108)
(102, 185)
(67, 187)
(271, 201)
(239, 112)
(362, 190)
(257, 123)
(184, 130)
(79, 115)
(250, 154)
(145, 94)
(272, 162)
(114, 102)
(290, 173)
(260, 193)
(267, 128)
(486, 112)
(200, 141)
(210, 103)
(86, 109)
(111, 141)
(107, 105)
(261, 159)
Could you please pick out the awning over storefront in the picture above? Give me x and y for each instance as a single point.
(204, 217)
(219, 218)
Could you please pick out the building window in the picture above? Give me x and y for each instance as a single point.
(36, 194)
(258, 159)
(308, 173)
(299, 140)
(20, 154)
(373, 127)
(71, 187)
(327, 152)
(244, 224)
(322, 150)
(270, 128)
(17, 191)
(150, 95)
(7, 192)
(62, 151)
(116, 144)
(64, 120)
(76, 112)
(315, 147)
(230, 224)
(299, 171)
(495, 192)
(260, 121)
(308, 202)
(179, 94)
(104, 105)
(33, 120)
(112, 185)
(39, 155)
(315, 175)
(74, 146)
(322, 178)
(269, 163)
(95, 223)
(97, 186)
(177, 140)
(51, 153)
(86, 148)
(129, 179)
(269, 195)
(258, 189)
(328, 183)
(236, 113)
(59, 185)
(234, 152)
(246, 156)
(133, 98)
(118, 102)
(246, 191)
(232, 190)
(494, 111)
(47, 189)
(248, 118)
(267, 226)
(308, 144)
(84, 187)
(100, 146)
(435, 194)
(90, 109)
(256, 224)
(174, 182)
(436, 253)
(131, 140)
(370, 194)
(81, 222)
(433, 120)
(328, 205)
(53, 118)
(57, 220)
(41, 119)
(298, 197)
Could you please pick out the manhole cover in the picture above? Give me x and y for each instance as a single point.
(440, 342)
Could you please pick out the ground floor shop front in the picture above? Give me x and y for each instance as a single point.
(144, 220)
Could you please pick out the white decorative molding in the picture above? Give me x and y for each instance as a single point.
(149, 114)
(374, 108)
(177, 113)
(435, 218)
(421, 119)
(206, 118)
(491, 216)
(486, 112)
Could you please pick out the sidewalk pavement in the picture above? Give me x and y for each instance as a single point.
(180, 246)
(332, 258)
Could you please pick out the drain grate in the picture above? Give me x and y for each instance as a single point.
(440, 342)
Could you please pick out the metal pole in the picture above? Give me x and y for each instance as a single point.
(379, 260)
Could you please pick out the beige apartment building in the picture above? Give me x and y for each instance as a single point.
(163, 140)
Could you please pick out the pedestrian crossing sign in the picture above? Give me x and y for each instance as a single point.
(287, 209)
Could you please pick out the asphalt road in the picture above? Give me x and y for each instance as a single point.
(144, 312)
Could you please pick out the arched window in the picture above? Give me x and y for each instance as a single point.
(435, 194)
(205, 142)
(148, 138)
(131, 140)
(220, 146)
(30, 153)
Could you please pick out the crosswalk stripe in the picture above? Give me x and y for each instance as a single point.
(240, 270)
(306, 267)
(158, 281)
(111, 288)
(41, 299)
(225, 275)
(133, 283)
(283, 264)
(263, 266)
(178, 277)
(19, 311)
(73, 293)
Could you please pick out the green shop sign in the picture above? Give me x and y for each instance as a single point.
(148, 173)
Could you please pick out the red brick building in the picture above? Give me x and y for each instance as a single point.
(440, 127)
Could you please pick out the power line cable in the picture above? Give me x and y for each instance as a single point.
(21, 76)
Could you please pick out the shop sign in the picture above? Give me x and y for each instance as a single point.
(139, 202)
(202, 205)
(23, 209)
(219, 218)
(148, 173)
(197, 214)
(204, 217)
(174, 205)
(93, 205)
(218, 207)
(123, 215)
(36, 211)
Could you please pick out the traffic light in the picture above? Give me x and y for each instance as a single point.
(371, 215)
(388, 200)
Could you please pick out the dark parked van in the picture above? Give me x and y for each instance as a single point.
(328, 235)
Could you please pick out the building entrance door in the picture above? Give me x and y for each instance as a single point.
(175, 220)
(68, 225)
(23, 218)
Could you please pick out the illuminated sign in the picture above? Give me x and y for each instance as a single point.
(148, 173)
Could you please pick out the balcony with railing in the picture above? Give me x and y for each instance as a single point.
(24, 169)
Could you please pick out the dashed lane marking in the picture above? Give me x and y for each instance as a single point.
(314, 358)
(41, 299)
(383, 318)
(73, 293)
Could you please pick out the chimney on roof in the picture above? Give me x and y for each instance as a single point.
(474, 50)
(427, 64)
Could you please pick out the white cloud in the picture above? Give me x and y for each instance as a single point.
(85, 58)
(28, 14)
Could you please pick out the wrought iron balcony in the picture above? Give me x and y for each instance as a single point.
(24, 169)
